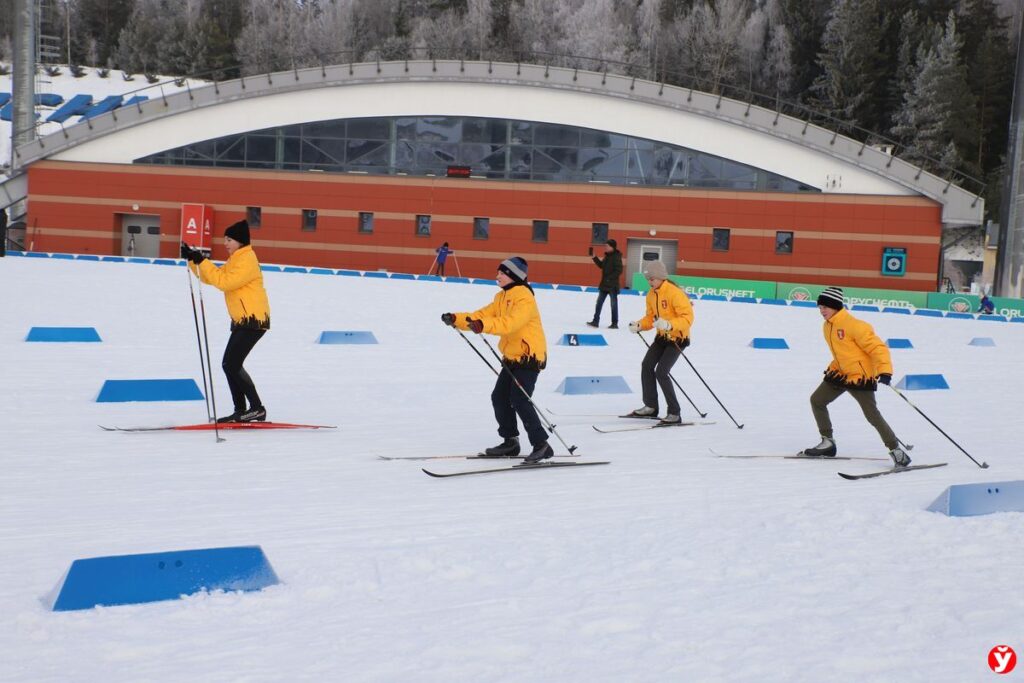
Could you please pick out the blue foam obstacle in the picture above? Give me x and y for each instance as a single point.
(768, 343)
(63, 334)
(582, 340)
(151, 577)
(982, 341)
(123, 390)
(968, 500)
(346, 337)
(920, 382)
(897, 343)
(594, 385)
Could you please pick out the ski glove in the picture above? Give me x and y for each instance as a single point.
(186, 252)
(885, 378)
(476, 325)
(448, 319)
(197, 256)
(663, 325)
(634, 327)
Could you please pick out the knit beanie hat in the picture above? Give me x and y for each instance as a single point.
(239, 232)
(656, 270)
(831, 297)
(515, 267)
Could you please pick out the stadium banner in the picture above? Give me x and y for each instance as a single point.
(970, 303)
(695, 286)
(854, 295)
(197, 225)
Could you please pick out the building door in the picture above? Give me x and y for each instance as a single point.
(140, 235)
(639, 251)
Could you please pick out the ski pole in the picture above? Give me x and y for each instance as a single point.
(982, 465)
(738, 425)
(431, 268)
(683, 391)
(540, 413)
(199, 342)
(206, 339)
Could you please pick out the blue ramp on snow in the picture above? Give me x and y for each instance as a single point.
(897, 343)
(124, 390)
(63, 334)
(78, 104)
(968, 500)
(982, 341)
(768, 343)
(346, 337)
(594, 385)
(151, 577)
(582, 340)
(921, 382)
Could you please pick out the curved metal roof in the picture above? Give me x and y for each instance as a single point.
(959, 206)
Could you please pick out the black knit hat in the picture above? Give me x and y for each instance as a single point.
(613, 244)
(831, 297)
(239, 232)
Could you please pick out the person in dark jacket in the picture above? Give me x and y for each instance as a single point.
(611, 272)
(986, 307)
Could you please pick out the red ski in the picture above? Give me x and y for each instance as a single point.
(209, 426)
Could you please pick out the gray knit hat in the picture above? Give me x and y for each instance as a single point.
(656, 270)
(831, 297)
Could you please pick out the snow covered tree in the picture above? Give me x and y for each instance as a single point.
(712, 41)
(852, 82)
(99, 20)
(938, 120)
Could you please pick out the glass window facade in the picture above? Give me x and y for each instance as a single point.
(783, 242)
(492, 148)
(720, 239)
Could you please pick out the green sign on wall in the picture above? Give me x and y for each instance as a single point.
(969, 303)
(854, 295)
(714, 285)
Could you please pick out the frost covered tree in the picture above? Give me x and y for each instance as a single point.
(711, 37)
(853, 80)
(938, 119)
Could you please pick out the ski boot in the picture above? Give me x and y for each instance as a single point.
(592, 323)
(233, 417)
(670, 420)
(899, 457)
(256, 414)
(542, 451)
(825, 449)
(646, 411)
(509, 448)
(613, 326)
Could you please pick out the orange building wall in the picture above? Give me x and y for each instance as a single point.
(838, 239)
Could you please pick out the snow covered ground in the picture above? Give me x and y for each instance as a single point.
(667, 565)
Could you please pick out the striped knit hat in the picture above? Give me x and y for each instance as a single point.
(515, 267)
(831, 297)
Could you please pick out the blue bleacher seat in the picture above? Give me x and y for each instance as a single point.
(7, 112)
(108, 103)
(134, 99)
(49, 99)
(76, 105)
(5, 97)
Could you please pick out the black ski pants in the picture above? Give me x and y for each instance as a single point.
(509, 401)
(654, 372)
(240, 343)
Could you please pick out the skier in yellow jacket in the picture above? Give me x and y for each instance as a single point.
(241, 280)
(670, 312)
(860, 360)
(514, 317)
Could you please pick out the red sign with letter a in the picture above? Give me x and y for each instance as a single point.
(197, 225)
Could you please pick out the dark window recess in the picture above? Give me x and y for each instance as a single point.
(720, 239)
(540, 231)
(422, 226)
(365, 222)
(153, 230)
(783, 242)
(599, 233)
(254, 216)
(134, 229)
(481, 228)
(309, 220)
